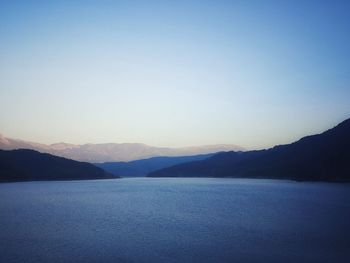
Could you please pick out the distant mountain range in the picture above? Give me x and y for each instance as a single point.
(143, 167)
(323, 157)
(112, 152)
(29, 165)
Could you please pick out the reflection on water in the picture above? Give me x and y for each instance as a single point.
(174, 220)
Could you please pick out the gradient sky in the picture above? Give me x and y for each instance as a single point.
(173, 73)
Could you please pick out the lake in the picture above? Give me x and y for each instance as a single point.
(174, 220)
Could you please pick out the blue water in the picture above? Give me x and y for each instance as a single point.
(174, 220)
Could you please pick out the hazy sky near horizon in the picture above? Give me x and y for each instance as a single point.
(173, 73)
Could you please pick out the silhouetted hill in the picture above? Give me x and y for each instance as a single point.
(112, 152)
(27, 165)
(323, 157)
(141, 168)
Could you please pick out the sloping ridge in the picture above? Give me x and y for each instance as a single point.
(323, 157)
(141, 168)
(29, 165)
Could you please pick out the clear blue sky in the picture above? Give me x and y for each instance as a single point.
(173, 73)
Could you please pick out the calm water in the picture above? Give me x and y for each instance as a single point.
(174, 220)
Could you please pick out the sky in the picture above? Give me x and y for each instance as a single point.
(173, 73)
